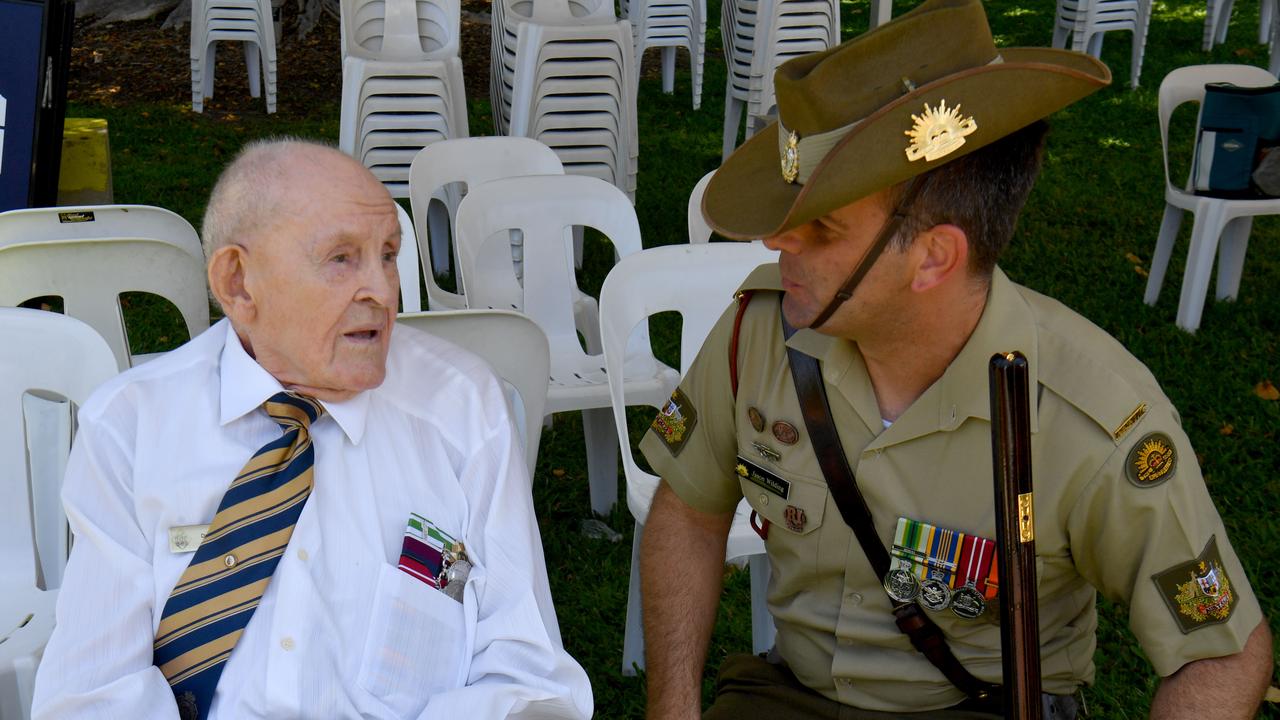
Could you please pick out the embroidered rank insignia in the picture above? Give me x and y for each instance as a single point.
(1151, 461)
(675, 421)
(1198, 592)
(752, 472)
(795, 518)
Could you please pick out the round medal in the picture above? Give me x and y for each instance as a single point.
(968, 603)
(901, 585)
(934, 594)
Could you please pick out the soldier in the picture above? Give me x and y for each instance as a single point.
(890, 184)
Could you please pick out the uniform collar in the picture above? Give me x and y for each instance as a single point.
(245, 385)
(961, 393)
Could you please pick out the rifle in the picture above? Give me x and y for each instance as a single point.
(1015, 535)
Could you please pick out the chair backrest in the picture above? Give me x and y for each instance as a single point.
(1186, 84)
(699, 230)
(700, 281)
(545, 209)
(89, 271)
(99, 222)
(513, 345)
(407, 264)
(50, 356)
(400, 29)
(434, 196)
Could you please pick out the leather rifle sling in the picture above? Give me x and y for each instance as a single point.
(925, 635)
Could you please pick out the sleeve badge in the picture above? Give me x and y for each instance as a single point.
(675, 421)
(1198, 592)
(1151, 461)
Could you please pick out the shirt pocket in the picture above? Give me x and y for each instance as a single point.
(416, 643)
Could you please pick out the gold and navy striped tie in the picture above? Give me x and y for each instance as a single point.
(210, 606)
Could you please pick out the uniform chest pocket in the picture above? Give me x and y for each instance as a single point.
(793, 504)
(416, 644)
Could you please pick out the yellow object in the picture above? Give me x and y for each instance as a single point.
(85, 174)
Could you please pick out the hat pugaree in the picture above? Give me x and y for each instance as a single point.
(918, 92)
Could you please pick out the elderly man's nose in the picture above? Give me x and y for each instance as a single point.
(380, 285)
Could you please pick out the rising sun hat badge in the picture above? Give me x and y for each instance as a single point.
(938, 132)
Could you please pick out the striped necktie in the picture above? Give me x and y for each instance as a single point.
(210, 606)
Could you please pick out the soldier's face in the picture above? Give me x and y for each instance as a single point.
(817, 258)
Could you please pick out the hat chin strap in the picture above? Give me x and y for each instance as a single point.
(887, 231)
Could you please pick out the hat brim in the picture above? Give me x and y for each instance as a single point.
(748, 198)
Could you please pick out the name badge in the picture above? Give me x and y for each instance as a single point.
(186, 538)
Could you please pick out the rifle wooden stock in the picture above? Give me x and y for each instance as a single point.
(1015, 535)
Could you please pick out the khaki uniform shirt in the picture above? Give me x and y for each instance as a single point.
(1119, 501)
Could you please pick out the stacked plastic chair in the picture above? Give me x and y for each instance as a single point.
(1085, 21)
(760, 35)
(401, 83)
(573, 87)
(1217, 17)
(244, 21)
(669, 24)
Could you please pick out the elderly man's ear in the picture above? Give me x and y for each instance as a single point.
(227, 270)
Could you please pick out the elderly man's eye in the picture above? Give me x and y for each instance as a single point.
(390, 256)
(340, 258)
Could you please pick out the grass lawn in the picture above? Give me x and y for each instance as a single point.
(1085, 238)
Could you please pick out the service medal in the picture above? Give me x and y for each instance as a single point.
(901, 585)
(968, 603)
(934, 594)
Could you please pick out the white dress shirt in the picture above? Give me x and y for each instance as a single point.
(340, 631)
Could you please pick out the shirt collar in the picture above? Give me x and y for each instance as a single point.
(963, 391)
(245, 385)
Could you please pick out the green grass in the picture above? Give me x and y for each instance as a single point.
(1098, 201)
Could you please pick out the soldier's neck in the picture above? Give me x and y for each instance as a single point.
(905, 361)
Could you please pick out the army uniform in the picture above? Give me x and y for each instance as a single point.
(1120, 505)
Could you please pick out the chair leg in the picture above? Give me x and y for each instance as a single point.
(1223, 21)
(762, 628)
(253, 65)
(733, 108)
(1205, 232)
(1231, 251)
(633, 635)
(601, 437)
(1095, 44)
(1164, 249)
(1210, 24)
(669, 69)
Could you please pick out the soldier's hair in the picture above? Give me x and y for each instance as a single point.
(982, 193)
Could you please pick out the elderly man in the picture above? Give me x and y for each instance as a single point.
(379, 559)
(890, 184)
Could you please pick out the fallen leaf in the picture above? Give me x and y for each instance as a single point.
(1133, 258)
(1226, 429)
(558, 472)
(1266, 390)
(1140, 270)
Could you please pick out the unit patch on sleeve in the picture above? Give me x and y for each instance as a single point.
(675, 421)
(1197, 592)
(1151, 461)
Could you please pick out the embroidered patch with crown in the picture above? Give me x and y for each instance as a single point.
(1151, 461)
(675, 421)
(1198, 592)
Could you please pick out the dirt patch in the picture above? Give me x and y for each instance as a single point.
(138, 62)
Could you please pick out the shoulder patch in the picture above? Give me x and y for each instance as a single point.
(675, 421)
(1151, 461)
(1197, 592)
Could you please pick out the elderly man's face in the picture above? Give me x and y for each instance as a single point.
(324, 286)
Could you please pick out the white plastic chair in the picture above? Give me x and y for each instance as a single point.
(44, 357)
(1217, 17)
(434, 176)
(706, 276)
(89, 255)
(245, 21)
(1084, 22)
(514, 346)
(699, 230)
(1221, 226)
(545, 209)
(669, 24)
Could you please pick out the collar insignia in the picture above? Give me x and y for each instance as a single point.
(937, 132)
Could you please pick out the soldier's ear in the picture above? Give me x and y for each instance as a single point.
(940, 252)
(228, 267)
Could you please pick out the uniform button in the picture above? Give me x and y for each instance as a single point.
(229, 561)
(854, 598)
(302, 554)
(764, 499)
(844, 682)
(287, 644)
